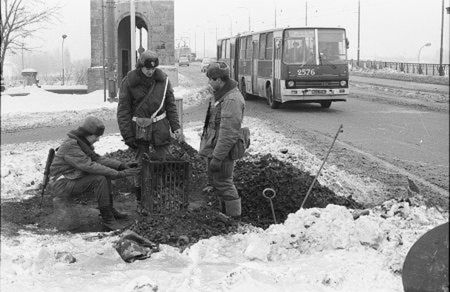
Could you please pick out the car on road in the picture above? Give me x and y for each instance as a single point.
(184, 61)
(206, 62)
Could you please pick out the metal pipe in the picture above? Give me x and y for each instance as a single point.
(320, 169)
(133, 34)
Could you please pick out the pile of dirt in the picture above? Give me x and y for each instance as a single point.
(184, 227)
(252, 175)
(202, 219)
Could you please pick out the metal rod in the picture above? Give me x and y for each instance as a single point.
(325, 159)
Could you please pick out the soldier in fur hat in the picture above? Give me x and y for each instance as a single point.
(220, 133)
(147, 111)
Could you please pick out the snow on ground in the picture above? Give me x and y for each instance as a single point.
(313, 250)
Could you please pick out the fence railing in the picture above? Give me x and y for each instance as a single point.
(414, 68)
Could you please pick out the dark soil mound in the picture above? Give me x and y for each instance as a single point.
(252, 175)
(202, 220)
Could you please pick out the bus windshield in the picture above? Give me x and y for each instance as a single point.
(332, 46)
(299, 47)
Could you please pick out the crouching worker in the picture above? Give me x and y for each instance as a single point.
(220, 133)
(76, 169)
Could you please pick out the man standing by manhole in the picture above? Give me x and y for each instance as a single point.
(147, 111)
(221, 136)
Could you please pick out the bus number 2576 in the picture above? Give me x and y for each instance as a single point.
(306, 72)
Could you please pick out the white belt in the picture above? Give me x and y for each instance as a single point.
(155, 119)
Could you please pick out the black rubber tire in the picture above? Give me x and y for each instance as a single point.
(243, 89)
(325, 104)
(272, 103)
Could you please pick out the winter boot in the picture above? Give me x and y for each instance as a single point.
(138, 192)
(233, 208)
(108, 219)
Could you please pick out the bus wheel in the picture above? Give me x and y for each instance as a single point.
(325, 104)
(273, 104)
(244, 90)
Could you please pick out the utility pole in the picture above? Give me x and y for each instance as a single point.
(306, 13)
(359, 31)
(22, 59)
(62, 56)
(275, 12)
(133, 34)
(441, 52)
(103, 51)
(204, 51)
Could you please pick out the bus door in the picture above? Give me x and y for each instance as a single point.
(276, 67)
(254, 69)
(236, 53)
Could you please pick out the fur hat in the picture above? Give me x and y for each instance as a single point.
(92, 126)
(218, 70)
(148, 59)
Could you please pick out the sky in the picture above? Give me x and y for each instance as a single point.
(392, 30)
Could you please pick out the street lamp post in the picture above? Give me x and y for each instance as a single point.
(441, 69)
(62, 56)
(420, 50)
(418, 57)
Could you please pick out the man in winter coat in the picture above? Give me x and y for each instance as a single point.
(76, 169)
(142, 100)
(221, 132)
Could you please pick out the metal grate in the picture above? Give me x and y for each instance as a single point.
(165, 186)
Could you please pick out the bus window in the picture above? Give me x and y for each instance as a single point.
(243, 46)
(262, 46)
(332, 46)
(227, 45)
(269, 46)
(248, 54)
(299, 47)
(219, 51)
(224, 49)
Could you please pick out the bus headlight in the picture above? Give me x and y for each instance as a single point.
(343, 83)
(290, 83)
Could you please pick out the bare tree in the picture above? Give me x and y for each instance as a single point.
(21, 21)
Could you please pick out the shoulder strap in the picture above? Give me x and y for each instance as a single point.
(163, 99)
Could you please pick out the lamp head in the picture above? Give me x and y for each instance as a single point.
(64, 36)
(427, 44)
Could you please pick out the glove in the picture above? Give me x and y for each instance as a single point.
(215, 165)
(131, 142)
(127, 165)
(129, 172)
(179, 135)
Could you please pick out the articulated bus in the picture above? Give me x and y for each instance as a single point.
(289, 64)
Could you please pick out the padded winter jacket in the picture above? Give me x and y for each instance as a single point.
(223, 128)
(73, 163)
(133, 90)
